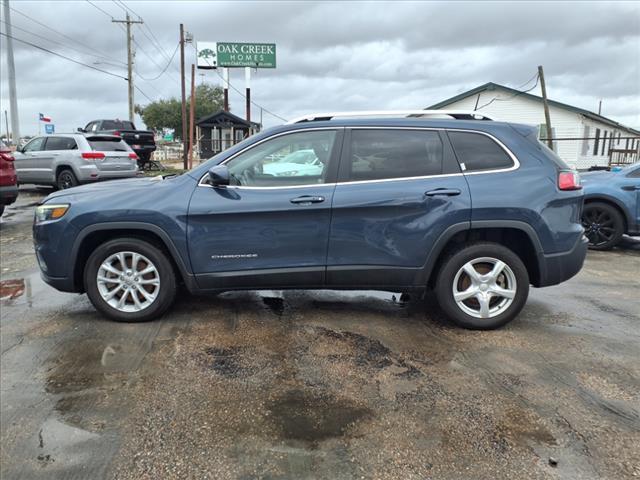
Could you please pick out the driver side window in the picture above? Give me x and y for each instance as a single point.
(300, 158)
(35, 145)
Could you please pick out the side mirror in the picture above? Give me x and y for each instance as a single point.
(80, 129)
(219, 176)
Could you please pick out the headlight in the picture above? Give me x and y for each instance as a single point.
(50, 212)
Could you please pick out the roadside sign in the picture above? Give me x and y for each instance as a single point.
(49, 128)
(168, 137)
(228, 54)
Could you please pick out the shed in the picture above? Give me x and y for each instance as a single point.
(221, 130)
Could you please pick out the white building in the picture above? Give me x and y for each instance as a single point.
(595, 138)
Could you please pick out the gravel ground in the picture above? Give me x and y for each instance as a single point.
(318, 385)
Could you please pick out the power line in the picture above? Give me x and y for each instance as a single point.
(496, 99)
(93, 50)
(144, 94)
(62, 56)
(58, 43)
(165, 68)
(103, 11)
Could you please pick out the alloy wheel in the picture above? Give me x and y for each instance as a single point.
(128, 281)
(598, 225)
(484, 287)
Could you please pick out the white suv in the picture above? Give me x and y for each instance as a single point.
(66, 160)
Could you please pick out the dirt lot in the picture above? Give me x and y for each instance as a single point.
(318, 385)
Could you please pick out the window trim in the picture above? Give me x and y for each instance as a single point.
(515, 166)
(337, 144)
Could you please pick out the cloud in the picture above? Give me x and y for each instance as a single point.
(332, 55)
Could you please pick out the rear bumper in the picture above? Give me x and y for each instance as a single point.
(8, 194)
(64, 284)
(558, 267)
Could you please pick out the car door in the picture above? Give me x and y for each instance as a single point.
(398, 190)
(28, 161)
(57, 150)
(631, 187)
(266, 228)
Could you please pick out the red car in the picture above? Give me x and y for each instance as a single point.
(8, 179)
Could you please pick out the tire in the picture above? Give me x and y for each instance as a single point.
(159, 284)
(603, 225)
(143, 160)
(512, 278)
(66, 179)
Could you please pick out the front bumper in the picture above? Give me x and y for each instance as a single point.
(8, 194)
(559, 267)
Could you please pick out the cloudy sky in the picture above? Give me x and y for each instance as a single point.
(331, 55)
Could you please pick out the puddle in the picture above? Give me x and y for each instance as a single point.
(275, 304)
(305, 416)
(228, 362)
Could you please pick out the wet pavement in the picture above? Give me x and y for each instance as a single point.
(318, 385)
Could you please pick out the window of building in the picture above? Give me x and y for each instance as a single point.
(585, 141)
(597, 142)
(61, 143)
(479, 152)
(300, 158)
(384, 154)
(604, 142)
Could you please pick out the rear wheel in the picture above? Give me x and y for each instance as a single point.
(130, 280)
(482, 286)
(603, 225)
(66, 179)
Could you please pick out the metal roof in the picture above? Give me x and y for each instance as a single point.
(490, 86)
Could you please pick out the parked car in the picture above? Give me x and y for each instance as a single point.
(67, 160)
(475, 210)
(8, 180)
(298, 163)
(611, 205)
(141, 141)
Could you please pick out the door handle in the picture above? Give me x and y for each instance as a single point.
(307, 199)
(630, 187)
(449, 192)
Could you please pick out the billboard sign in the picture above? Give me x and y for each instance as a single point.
(227, 54)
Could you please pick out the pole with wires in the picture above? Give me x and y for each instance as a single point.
(192, 110)
(11, 70)
(225, 87)
(130, 57)
(184, 101)
(545, 102)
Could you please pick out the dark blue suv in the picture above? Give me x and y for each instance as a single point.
(474, 209)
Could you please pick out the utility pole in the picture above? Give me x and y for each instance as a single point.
(6, 122)
(247, 80)
(225, 89)
(185, 145)
(545, 102)
(192, 110)
(600, 107)
(11, 70)
(130, 56)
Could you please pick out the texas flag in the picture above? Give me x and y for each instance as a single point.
(44, 119)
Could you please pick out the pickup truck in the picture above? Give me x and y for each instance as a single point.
(141, 141)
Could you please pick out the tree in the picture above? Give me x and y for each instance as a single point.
(167, 114)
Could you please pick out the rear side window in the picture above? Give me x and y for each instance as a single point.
(61, 143)
(108, 145)
(478, 152)
(385, 154)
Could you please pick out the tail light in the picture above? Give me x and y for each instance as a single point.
(569, 180)
(116, 133)
(133, 156)
(93, 155)
(6, 156)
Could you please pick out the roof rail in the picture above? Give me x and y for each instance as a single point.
(457, 114)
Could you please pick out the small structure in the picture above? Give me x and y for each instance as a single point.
(581, 138)
(221, 130)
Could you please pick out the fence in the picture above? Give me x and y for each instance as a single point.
(589, 152)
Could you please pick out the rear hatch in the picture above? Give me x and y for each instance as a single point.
(118, 157)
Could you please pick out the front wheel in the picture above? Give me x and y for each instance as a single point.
(130, 280)
(482, 286)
